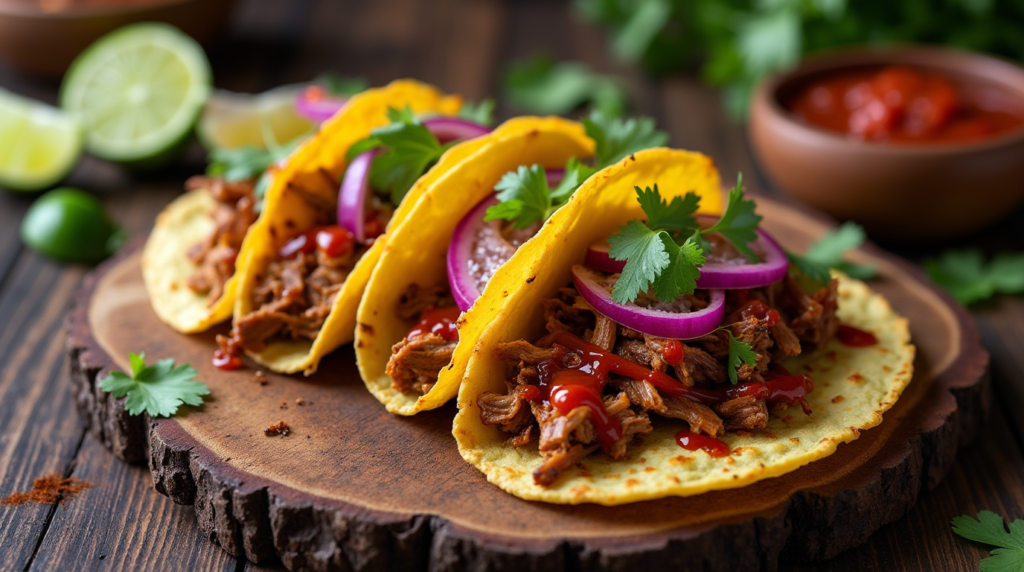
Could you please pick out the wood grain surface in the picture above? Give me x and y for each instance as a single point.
(272, 42)
(356, 487)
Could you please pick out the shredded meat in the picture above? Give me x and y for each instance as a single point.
(634, 422)
(416, 361)
(523, 351)
(509, 412)
(215, 255)
(568, 313)
(700, 417)
(557, 462)
(642, 393)
(700, 367)
(556, 431)
(604, 333)
(785, 340)
(814, 317)
(746, 412)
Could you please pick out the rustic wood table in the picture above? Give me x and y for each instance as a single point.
(461, 46)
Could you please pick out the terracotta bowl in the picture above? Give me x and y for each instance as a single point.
(897, 191)
(43, 42)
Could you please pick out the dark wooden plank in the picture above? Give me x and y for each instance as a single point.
(1002, 329)
(122, 524)
(987, 476)
(458, 46)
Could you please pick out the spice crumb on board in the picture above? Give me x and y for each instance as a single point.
(300, 401)
(280, 428)
(49, 490)
(261, 377)
(284, 405)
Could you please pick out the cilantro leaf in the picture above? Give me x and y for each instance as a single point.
(340, 86)
(244, 163)
(646, 256)
(158, 389)
(681, 275)
(964, 274)
(410, 150)
(739, 221)
(541, 86)
(828, 252)
(524, 197)
(661, 215)
(989, 528)
(739, 352)
(576, 173)
(616, 139)
(481, 113)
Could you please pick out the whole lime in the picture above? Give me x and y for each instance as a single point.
(69, 225)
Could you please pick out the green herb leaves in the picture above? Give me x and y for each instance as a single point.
(828, 252)
(157, 389)
(249, 162)
(739, 353)
(541, 86)
(481, 113)
(617, 139)
(340, 86)
(526, 198)
(668, 250)
(989, 528)
(410, 150)
(965, 275)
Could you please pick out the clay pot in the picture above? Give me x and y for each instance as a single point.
(897, 191)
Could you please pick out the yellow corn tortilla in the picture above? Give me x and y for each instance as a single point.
(869, 379)
(431, 226)
(315, 168)
(166, 267)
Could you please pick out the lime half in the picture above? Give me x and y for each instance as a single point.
(138, 92)
(39, 144)
(233, 120)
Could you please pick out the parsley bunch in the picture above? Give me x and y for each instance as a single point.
(157, 389)
(667, 250)
(989, 528)
(524, 194)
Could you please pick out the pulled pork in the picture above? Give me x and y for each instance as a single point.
(215, 255)
(774, 320)
(417, 360)
(292, 300)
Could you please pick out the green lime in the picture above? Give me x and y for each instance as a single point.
(69, 225)
(137, 92)
(39, 144)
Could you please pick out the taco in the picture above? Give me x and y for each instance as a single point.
(411, 344)
(646, 351)
(304, 264)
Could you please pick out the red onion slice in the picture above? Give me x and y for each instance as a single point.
(315, 104)
(770, 270)
(658, 323)
(460, 253)
(448, 129)
(355, 187)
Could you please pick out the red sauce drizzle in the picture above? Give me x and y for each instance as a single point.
(440, 321)
(850, 336)
(761, 311)
(226, 361)
(334, 241)
(693, 441)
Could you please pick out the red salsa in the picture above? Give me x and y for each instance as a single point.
(850, 336)
(695, 441)
(224, 360)
(900, 104)
(440, 321)
(334, 241)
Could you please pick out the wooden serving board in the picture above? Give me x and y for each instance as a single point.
(355, 488)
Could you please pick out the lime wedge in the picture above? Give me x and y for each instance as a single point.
(231, 120)
(39, 144)
(138, 92)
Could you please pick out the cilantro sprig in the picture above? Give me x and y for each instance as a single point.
(989, 528)
(667, 250)
(525, 197)
(157, 389)
(481, 113)
(966, 275)
(828, 252)
(524, 194)
(249, 162)
(410, 149)
(739, 353)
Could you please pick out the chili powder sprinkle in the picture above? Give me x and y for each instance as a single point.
(49, 490)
